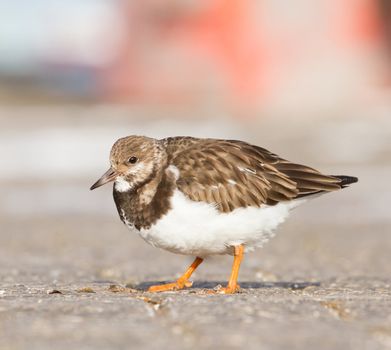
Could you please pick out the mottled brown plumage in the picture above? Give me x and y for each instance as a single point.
(229, 174)
(132, 209)
(234, 174)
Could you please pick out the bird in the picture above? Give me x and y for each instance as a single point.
(202, 196)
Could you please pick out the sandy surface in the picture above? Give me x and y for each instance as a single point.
(72, 276)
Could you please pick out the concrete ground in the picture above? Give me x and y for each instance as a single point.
(72, 276)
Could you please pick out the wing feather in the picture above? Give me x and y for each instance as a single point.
(233, 174)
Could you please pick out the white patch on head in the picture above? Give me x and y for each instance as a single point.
(247, 170)
(121, 185)
(198, 228)
(136, 169)
(173, 169)
(232, 182)
(137, 172)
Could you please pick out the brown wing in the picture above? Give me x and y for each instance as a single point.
(233, 174)
(308, 180)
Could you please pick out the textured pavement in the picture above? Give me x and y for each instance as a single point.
(72, 276)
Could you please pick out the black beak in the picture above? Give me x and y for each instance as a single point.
(108, 176)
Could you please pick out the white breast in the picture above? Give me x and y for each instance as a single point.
(198, 228)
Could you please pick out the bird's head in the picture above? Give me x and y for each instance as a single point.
(134, 161)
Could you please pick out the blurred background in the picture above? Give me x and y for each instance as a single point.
(310, 81)
(246, 58)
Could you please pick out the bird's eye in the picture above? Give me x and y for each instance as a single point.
(132, 160)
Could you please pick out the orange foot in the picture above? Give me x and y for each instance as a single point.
(179, 284)
(223, 290)
(228, 290)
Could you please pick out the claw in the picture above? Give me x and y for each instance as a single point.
(222, 290)
(170, 286)
(228, 290)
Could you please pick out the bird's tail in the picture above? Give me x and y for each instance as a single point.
(346, 180)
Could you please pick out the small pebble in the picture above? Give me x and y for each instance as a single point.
(53, 291)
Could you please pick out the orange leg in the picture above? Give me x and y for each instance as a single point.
(182, 281)
(233, 286)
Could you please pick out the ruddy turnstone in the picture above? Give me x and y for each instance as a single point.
(202, 197)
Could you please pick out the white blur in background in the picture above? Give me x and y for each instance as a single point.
(310, 82)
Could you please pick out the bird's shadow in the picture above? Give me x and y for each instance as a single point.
(243, 285)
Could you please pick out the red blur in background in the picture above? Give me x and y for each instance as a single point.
(245, 52)
(244, 56)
